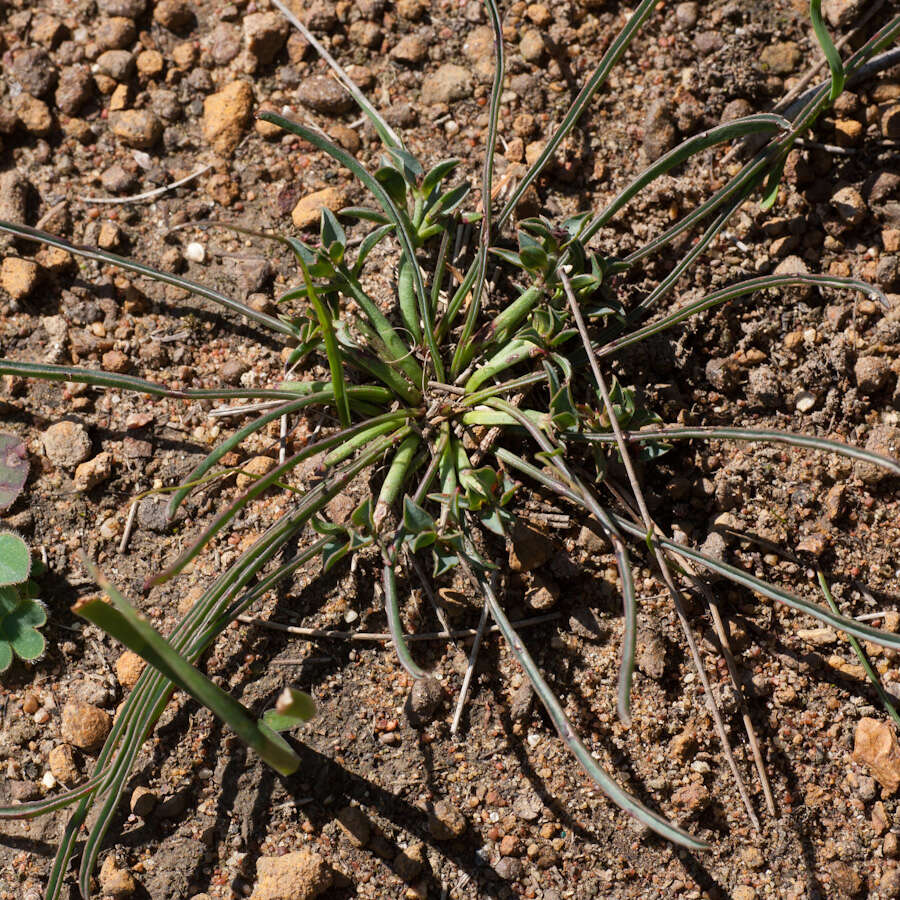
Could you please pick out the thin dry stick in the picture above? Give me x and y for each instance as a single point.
(724, 643)
(129, 525)
(470, 670)
(660, 558)
(377, 636)
(147, 195)
(429, 593)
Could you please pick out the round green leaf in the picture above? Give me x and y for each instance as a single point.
(29, 644)
(15, 559)
(6, 656)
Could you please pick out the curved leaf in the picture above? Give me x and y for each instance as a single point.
(15, 559)
(13, 468)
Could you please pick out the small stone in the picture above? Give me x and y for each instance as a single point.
(447, 85)
(781, 58)
(301, 875)
(410, 49)
(150, 64)
(478, 48)
(85, 726)
(324, 95)
(835, 502)
(62, 764)
(875, 746)
(118, 64)
(120, 98)
(885, 440)
(693, 797)
(532, 46)
(226, 115)
(736, 109)
(115, 33)
(528, 807)
(175, 15)
(355, 824)
(891, 845)
(708, 42)
(509, 868)
(14, 192)
(75, 88)
(130, 8)
(114, 881)
(184, 55)
(33, 70)
(845, 879)
(66, 444)
(542, 595)
(152, 515)
(264, 35)
(764, 387)
(743, 892)
(110, 237)
(320, 16)
(117, 180)
(814, 544)
(804, 401)
(346, 137)
(890, 122)
(446, 822)
(143, 801)
(33, 115)
(425, 697)
(48, 31)
(872, 373)
(233, 369)
(409, 863)
(138, 128)
(889, 884)
(129, 667)
(684, 745)
(529, 548)
(19, 277)
(411, 9)
(258, 466)
(195, 252)
(365, 34)
(93, 472)
(521, 701)
(539, 13)
(307, 212)
(591, 539)
(880, 820)
(686, 14)
(842, 12)
(660, 134)
(651, 654)
(849, 205)
(848, 132)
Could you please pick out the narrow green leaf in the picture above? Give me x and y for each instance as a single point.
(831, 54)
(130, 265)
(121, 621)
(437, 174)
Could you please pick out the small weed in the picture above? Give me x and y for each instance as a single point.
(21, 613)
(457, 390)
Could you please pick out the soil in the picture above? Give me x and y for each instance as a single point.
(534, 826)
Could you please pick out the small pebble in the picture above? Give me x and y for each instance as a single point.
(195, 252)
